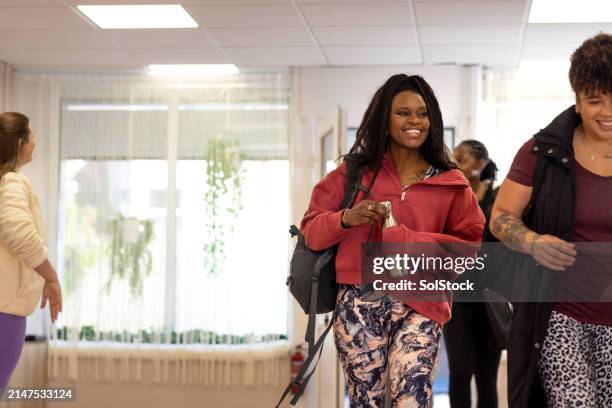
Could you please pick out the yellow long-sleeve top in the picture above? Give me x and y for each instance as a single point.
(22, 246)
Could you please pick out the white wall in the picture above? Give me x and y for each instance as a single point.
(38, 100)
(5, 71)
(322, 89)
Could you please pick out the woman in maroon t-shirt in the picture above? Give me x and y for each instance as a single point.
(574, 364)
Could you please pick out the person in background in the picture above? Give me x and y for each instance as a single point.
(466, 335)
(25, 271)
(400, 145)
(559, 352)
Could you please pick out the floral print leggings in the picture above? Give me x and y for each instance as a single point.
(373, 337)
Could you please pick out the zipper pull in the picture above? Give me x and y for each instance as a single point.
(403, 195)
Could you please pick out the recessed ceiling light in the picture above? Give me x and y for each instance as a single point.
(192, 69)
(570, 11)
(139, 16)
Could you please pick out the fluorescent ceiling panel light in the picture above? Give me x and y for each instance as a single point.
(570, 11)
(139, 16)
(192, 69)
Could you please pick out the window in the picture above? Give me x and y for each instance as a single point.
(153, 247)
(518, 103)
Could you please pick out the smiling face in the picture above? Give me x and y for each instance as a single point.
(409, 121)
(595, 109)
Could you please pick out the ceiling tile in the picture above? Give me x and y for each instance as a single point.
(233, 2)
(547, 51)
(8, 42)
(388, 35)
(115, 2)
(558, 41)
(271, 57)
(486, 54)
(340, 15)
(382, 3)
(178, 55)
(245, 16)
(19, 57)
(31, 3)
(470, 34)
(85, 58)
(261, 37)
(379, 55)
(24, 18)
(61, 39)
(564, 33)
(166, 38)
(461, 1)
(471, 12)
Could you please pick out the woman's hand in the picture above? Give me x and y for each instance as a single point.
(366, 211)
(552, 252)
(52, 292)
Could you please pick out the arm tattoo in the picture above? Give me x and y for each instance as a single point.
(510, 230)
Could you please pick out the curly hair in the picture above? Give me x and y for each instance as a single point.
(591, 65)
(372, 138)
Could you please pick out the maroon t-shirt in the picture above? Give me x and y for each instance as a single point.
(592, 223)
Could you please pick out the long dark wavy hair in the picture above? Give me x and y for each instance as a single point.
(372, 135)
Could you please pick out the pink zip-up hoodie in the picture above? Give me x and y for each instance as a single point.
(440, 209)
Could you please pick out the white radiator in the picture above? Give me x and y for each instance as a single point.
(205, 366)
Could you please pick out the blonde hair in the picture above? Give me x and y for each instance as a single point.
(14, 133)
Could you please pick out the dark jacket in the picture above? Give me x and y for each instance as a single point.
(486, 205)
(550, 211)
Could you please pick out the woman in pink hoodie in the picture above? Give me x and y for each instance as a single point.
(399, 145)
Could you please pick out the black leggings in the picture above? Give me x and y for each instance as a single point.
(465, 337)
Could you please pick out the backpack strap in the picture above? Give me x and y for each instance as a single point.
(301, 379)
(314, 291)
(354, 174)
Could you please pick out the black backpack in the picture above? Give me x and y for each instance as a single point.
(312, 282)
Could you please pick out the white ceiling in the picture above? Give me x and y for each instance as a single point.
(259, 33)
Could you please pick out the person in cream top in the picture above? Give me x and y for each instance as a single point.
(25, 271)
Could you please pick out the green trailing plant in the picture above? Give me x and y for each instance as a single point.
(82, 249)
(221, 200)
(131, 261)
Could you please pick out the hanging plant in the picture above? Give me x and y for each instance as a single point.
(81, 249)
(221, 200)
(130, 255)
